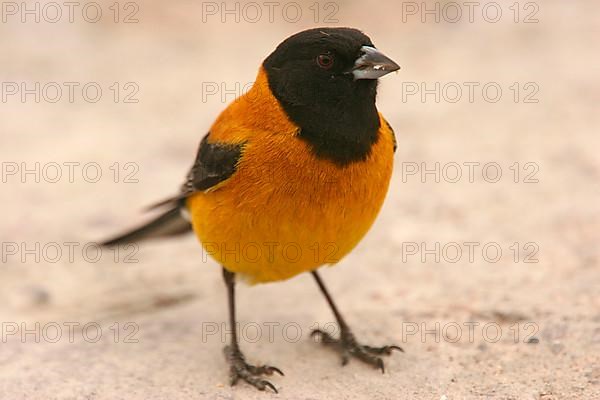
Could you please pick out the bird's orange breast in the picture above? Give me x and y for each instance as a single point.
(285, 211)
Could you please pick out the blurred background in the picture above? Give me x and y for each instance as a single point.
(483, 264)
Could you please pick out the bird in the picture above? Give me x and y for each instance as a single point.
(289, 178)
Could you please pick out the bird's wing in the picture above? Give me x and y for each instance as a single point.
(215, 163)
(389, 127)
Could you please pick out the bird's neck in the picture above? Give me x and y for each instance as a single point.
(342, 131)
(263, 111)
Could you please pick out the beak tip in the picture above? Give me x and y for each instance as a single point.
(373, 64)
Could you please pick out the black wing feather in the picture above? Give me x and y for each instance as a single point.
(215, 162)
(393, 134)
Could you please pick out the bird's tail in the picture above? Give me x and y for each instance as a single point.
(169, 223)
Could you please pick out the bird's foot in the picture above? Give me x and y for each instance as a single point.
(240, 369)
(348, 347)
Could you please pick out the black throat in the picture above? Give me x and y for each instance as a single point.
(341, 129)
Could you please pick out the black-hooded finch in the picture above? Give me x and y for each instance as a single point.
(290, 176)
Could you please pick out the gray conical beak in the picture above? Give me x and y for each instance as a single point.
(373, 64)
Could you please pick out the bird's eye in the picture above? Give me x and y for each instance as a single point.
(325, 61)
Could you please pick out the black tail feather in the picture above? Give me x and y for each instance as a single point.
(169, 223)
(170, 201)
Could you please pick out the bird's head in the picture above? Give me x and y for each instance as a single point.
(325, 79)
(323, 65)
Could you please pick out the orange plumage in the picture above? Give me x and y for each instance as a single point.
(285, 211)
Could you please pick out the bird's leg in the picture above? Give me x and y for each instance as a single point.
(238, 367)
(347, 344)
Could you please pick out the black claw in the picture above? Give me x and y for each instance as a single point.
(270, 370)
(240, 369)
(380, 365)
(387, 350)
(264, 369)
(400, 349)
(348, 346)
(270, 385)
(322, 335)
(345, 360)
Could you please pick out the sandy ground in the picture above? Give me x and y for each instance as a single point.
(523, 325)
